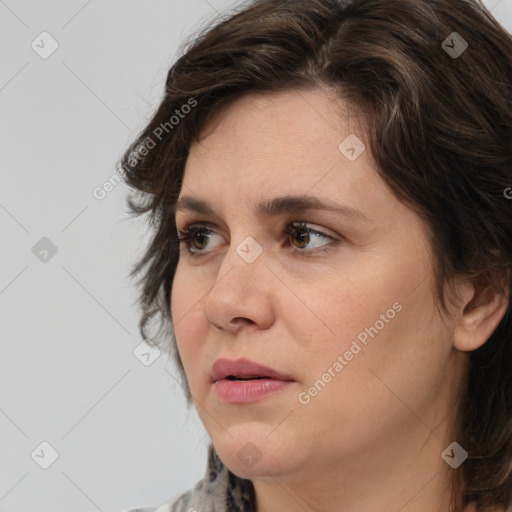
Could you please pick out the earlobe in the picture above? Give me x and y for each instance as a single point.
(480, 316)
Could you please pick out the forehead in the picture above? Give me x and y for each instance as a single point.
(303, 114)
(278, 138)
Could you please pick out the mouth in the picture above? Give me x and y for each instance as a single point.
(244, 370)
(243, 381)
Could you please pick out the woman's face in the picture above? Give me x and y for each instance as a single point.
(343, 307)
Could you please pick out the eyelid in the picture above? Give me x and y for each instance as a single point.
(190, 229)
(316, 229)
(296, 223)
(299, 224)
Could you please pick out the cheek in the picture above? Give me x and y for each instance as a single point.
(187, 293)
(377, 321)
(189, 323)
(400, 360)
(347, 303)
(396, 371)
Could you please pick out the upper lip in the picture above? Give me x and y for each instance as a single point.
(244, 368)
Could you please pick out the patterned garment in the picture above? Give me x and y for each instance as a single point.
(219, 491)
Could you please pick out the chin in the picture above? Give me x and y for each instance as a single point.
(249, 451)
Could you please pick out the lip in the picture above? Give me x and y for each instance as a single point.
(267, 381)
(244, 368)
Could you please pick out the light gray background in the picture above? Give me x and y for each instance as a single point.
(68, 374)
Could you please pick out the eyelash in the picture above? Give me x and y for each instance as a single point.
(185, 237)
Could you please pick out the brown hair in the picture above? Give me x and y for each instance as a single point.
(439, 128)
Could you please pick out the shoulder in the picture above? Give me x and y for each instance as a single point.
(180, 503)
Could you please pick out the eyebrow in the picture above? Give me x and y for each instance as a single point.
(278, 206)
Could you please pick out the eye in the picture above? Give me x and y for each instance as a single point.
(303, 234)
(195, 238)
(193, 233)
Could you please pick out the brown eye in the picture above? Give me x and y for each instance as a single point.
(302, 236)
(305, 239)
(194, 238)
(201, 238)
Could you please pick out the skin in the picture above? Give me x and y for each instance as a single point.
(372, 438)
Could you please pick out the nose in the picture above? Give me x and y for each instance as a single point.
(242, 293)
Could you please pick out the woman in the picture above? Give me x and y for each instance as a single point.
(329, 183)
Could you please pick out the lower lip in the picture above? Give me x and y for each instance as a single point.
(247, 391)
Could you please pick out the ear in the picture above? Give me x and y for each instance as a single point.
(482, 309)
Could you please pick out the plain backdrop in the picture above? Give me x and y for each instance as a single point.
(89, 420)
